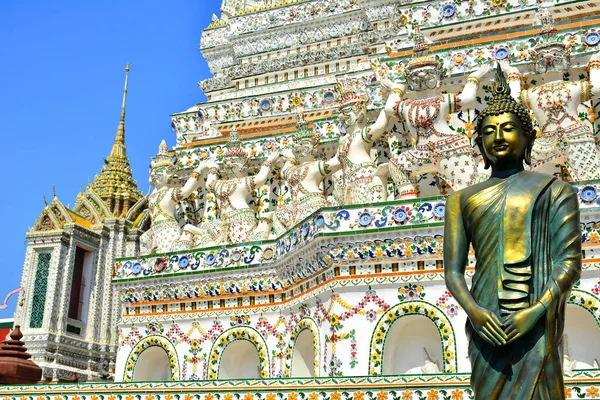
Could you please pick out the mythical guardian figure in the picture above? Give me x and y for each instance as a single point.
(304, 175)
(362, 180)
(436, 147)
(234, 193)
(564, 139)
(164, 233)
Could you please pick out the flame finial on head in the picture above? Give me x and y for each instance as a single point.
(351, 90)
(421, 55)
(420, 45)
(302, 128)
(234, 146)
(162, 159)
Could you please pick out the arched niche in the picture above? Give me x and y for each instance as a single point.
(152, 365)
(233, 352)
(240, 361)
(412, 340)
(405, 343)
(308, 346)
(140, 350)
(582, 337)
(303, 359)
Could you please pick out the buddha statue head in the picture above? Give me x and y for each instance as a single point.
(550, 54)
(504, 130)
(423, 72)
(235, 160)
(305, 140)
(353, 97)
(162, 167)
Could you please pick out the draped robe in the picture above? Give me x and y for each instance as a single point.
(527, 241)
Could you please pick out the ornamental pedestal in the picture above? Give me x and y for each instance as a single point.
(15, 366)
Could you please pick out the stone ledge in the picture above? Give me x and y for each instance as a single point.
(579, 384)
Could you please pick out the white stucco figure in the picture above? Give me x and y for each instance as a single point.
(362, 179)
(304, 175)
(564, 138)
(164, 233)
(212, 231)
(436, 147)
(235, 193)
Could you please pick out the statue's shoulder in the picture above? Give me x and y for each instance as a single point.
(554, 183)
(545, 181)
(463, 194)
(563, 188)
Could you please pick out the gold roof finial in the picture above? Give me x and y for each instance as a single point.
(45, 200)
(120, 138)
(116, 171)
(54, 191)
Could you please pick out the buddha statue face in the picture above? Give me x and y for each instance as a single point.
(351, 114)
(423, 78)
(503, 140)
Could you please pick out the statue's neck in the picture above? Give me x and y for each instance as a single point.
(426, 94)
(302, 160)
(359, 126)
(239, 175)
(503, 173)
(552, 77)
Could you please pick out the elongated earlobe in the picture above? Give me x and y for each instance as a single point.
(486, 162)
(528, 154)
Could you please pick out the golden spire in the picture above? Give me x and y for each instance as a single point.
(115, 183)
(119, 146)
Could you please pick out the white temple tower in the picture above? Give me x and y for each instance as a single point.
(67, 310)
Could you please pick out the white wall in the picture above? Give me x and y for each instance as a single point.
(403, 351)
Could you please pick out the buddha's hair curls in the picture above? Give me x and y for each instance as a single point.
(502, 102)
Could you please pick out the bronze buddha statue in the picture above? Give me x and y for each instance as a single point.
(524, 229)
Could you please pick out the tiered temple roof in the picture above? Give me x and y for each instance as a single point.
(115, 184)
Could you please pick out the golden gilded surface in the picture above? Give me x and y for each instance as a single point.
(525, 232)
(115, 184)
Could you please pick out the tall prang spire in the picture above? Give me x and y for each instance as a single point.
(115, 183)
(119, 146)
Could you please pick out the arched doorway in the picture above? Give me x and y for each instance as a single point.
(240, 361)
(405, 345)
(303, 359)
(152, 365)
(582, 334)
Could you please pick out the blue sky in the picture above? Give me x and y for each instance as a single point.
(61, 83)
